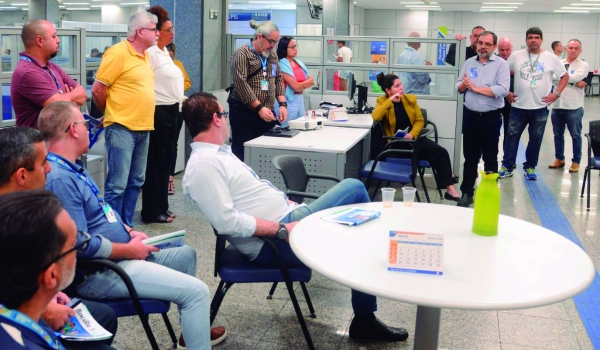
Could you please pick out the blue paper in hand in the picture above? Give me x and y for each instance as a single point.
(95, 129)
(401, 133)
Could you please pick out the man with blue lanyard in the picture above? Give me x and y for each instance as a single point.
(38, 242)
(37, 81)
(23, 167)
(168, 274)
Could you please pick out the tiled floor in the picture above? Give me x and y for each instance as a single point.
(253, 322)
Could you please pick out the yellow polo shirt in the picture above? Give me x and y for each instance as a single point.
(130, 95)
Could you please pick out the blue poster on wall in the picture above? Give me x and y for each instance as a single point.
(373, 74)
(378, 47)
(247, 16)
(442, 48)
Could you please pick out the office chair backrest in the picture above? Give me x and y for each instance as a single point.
(293, 172)
(377, 140)
(219, 249)
(588, 79)
(424, 113)
(595, 136)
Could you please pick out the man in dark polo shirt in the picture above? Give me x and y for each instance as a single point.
(37, 81)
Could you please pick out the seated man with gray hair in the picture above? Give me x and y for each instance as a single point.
(168, 274)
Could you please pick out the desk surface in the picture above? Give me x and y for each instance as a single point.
(328, 139)
(354, 121)
(524, 266)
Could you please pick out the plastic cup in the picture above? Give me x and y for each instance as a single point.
(387, 196)
(408, 196)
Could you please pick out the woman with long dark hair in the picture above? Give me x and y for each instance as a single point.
(398, 111)
(295, 77)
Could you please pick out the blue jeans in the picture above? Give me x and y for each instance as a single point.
(295, 108)
(572, 119)
(127, 156)
(166, 275)
(519, 118)
(349, 191)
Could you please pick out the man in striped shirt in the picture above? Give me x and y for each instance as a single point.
(257, 82)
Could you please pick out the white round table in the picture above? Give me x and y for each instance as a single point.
(524, 266)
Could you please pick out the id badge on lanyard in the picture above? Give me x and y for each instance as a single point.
(108, 212)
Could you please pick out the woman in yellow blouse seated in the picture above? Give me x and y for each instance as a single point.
(397, 111)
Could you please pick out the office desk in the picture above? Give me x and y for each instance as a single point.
(363, 121)
(524, 266)
(337, 151)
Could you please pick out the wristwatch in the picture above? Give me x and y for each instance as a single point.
(282, 233)
(557, 94)
(283, 104)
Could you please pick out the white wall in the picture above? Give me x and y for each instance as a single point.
(395, 22)
(285, 20)
(116, 14)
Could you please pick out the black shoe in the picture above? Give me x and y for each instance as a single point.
(449, 197)
(368, 327)
(465, 201)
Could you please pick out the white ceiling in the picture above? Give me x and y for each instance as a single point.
(73, 5)
(445, 5)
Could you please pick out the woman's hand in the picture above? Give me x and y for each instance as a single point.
(409, 137)
(397, 97)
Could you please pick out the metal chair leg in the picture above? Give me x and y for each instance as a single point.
(435, 178)
(217, 300)
(588, 192)
(290, 289)
(308, 301)
(151, 338)
(170, 330)
(585, 174)
(416, 192)
(376, 190)
(421, 171)
(270, 296)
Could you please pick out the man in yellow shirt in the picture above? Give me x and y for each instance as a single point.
(124, 92)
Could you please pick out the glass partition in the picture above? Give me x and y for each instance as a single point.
(337, 79)
(420, 51)
(95, 46)
(309, 50)
(362, 50)
(11, 46)
(424, 83)
(66, 55)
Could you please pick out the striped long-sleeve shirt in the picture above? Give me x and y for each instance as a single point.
(245, 62)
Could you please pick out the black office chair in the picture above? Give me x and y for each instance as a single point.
(233, 267)
(593, 138)
(296, 178)
(589, 87)
(133, 305)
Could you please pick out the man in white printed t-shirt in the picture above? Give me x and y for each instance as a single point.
(344, 55)
(569, 109)
(532, 94)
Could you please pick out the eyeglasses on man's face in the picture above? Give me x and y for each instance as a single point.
(78, 247)
(150, 29)
(271, 41)
(84, 122)
(481, 43)
(223, 114)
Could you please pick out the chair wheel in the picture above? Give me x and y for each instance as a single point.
(269, 297)
(313, 316)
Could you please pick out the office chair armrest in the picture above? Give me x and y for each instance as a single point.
(95, 263)
(424, 132)
(268, 241)
(435, 131)
(302, 194)
(323, 177)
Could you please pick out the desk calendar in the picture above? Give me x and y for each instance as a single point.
(416, 252)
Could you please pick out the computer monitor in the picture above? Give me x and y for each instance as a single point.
(351, 86)
(362, 97)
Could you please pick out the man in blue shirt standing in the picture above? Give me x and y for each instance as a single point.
(414, 83)
(485, 80)
(168, 274)
(38, 241)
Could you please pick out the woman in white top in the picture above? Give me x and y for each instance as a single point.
(168, 87)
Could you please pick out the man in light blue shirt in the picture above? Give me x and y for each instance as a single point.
(485, 80)
(414, 83)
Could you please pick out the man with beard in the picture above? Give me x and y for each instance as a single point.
(257, 82)
(470, 50)
(534, 69)
(485, 80)
(36, 81)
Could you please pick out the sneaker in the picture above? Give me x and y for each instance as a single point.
(530, 174)
(504, 172)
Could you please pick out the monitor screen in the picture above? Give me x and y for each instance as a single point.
(351, 86)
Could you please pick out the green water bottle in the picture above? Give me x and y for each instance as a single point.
(487, 205)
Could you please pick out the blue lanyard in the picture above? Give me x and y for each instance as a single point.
(28, 323)
(51, 74)
(93, 187)
(264, 62)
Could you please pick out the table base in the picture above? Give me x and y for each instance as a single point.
(427, 329)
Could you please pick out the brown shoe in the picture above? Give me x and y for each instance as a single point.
(574, 168)
(557, 164)
(217, 335)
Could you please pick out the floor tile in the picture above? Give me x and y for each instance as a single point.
(537, 332)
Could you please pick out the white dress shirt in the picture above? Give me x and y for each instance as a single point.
(231, 195)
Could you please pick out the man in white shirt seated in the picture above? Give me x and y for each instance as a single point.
(241, 206)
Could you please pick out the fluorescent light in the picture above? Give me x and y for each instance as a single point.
(19, 4)
(570, 11)
(426, 9)
(585, 4)
(133, 3)
(580, 8)
(498, 7)
(423, 6)
(494, 10)
(264, 2)
(77, 8)
(8, 7)
(503, 3)
(76, 3)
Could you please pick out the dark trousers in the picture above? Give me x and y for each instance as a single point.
(155, 190)
(481, 134)
(245, 125)
(505, 118)
(439, 159)
(106, 317)
(172, 155)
